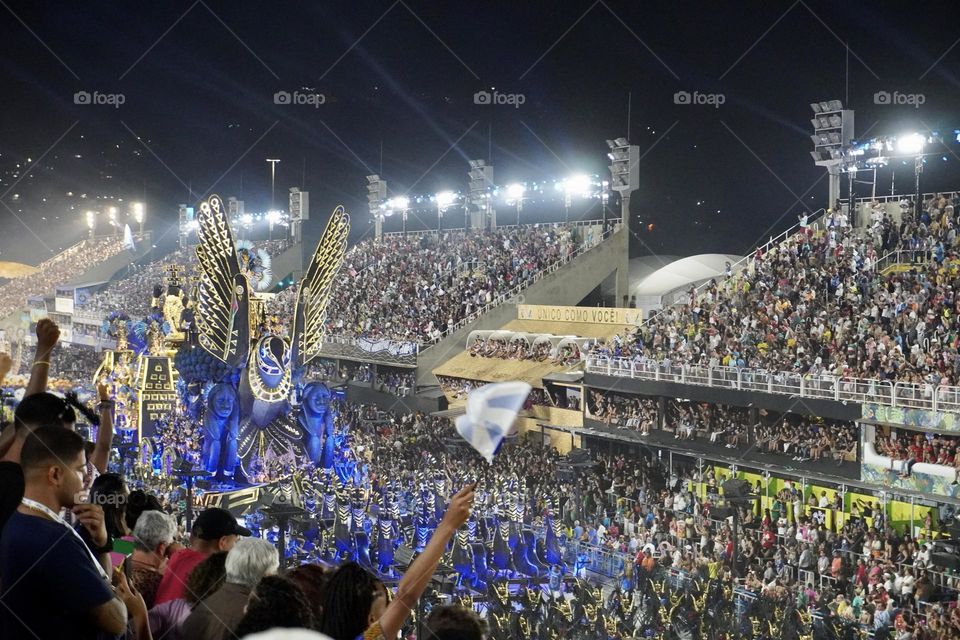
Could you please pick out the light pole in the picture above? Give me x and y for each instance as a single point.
(273, 171)
(138, 215)
(444, 199)
(400, 203)
(912, 144)
(515, 192)
(91, 223)
(112, 215)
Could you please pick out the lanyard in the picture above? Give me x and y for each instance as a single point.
(42, 508)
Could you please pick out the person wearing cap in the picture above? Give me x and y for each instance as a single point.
(213, 530)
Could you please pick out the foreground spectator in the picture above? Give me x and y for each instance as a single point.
(214, 530)
(153, 535)
(276, 602)
(247, 562)
(58, 588)
(451, 622)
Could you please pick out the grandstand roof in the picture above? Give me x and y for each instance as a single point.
(640, 268)
(684, 272)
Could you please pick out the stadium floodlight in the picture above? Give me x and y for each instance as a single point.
(624, 175)
(515, 193)
(832, 137)
(481, 185)
(910, 143)
(376, 199)
(443, 199)
(246, 219)
(274, 217)
(138, 215)
(91, 222)
(398, 203)
(579, 185)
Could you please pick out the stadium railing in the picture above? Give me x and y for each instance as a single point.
(906, 395)
(598, 559)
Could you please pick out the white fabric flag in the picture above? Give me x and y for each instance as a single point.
(491, 412)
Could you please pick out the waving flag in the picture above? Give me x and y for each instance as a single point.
(491, 412)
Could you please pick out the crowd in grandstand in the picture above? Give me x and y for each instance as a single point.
(806, 439)
(517, 349)
(625, 412)
(417, 288)
(61, 269)
(802, 438)
(132, 293)
(816, 303)
(909, 448)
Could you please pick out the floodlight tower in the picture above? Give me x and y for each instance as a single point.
(481, 198)
(624, 173)
(376, 198)
(624, 179)
(299, 211)
(832, 134)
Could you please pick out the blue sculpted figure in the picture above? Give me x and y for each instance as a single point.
(317, 418)
(221, 423)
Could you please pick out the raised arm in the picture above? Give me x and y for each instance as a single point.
(101, 451)
(418, 575)
(48, 334)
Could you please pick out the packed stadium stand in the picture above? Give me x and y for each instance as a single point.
(64, 267)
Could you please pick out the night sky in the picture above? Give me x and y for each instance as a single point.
(198, 82)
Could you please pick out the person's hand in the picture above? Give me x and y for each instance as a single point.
(459, 509)
(48, 333)
(6, 363)
(91, 517)
(129, 595)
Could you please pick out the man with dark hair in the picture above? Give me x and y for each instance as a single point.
(55, 587)
(451, 622)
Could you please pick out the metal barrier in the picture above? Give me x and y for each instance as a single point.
(606, 562)
(907, 395)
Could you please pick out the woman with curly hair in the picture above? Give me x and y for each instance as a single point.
(357, 603)
(275, 602)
